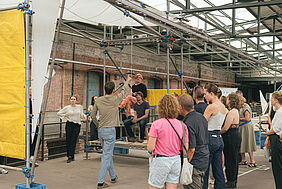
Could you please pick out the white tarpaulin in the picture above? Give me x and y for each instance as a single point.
(43, 29)
(226, 91)
(87, 11)
(263, 102)
(98, 11)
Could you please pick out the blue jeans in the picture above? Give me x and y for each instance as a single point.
(215, 147)
(107, 137)
(142, 124)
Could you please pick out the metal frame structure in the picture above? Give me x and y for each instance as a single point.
(235, 35)
(214, 51)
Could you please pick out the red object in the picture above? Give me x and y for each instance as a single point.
(127, 103)
(172, 39)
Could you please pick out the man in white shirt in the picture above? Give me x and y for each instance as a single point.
(275, 138)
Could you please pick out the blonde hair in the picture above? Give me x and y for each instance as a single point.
(278, 96)
(242, 101)
(168, 107)
(138, 76)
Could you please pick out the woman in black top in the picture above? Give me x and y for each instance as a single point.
(232, 140)
(139, 86)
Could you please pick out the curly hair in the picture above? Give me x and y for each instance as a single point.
(234, 101)
(242, 101)
(168, 107)
(278, 96)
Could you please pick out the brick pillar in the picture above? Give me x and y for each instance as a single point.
(45, 150)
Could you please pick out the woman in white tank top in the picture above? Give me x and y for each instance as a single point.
(215, 114)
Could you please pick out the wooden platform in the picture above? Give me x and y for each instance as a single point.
(122, 144)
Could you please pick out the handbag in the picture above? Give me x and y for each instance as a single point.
(186, 168)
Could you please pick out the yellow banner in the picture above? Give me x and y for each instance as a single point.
(154, 95)
(12, 85)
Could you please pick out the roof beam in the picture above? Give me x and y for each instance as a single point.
(227, 6)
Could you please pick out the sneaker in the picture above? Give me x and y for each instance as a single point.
(114, 180)
(3, 171)
(140, 141)
(104, 185)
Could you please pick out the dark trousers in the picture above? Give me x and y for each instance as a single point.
(33, 143)
(123, 132)
(72, 132)
(93, 131)
(276, 146)
(215, 159)
(142, 124)
(232, 144)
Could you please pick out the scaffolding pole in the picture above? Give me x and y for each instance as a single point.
(167, 48)
(104, 70)
(48, 84)
(8, 8)
(62, 61)
(27, 109)
(182, 69)
(120, 58)
(105, 51)
(273, 55)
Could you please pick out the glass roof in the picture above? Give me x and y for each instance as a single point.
(245, 20)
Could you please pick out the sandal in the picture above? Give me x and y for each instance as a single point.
(252, 164)
(243, 163)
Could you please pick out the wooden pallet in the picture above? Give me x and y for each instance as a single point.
(122, 144)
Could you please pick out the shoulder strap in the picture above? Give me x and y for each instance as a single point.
(183, 143)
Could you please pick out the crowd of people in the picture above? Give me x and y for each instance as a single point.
(217, 131)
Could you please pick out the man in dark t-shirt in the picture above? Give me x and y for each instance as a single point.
(198, 95)
(139, 86)
(198, 151)
(141, 116)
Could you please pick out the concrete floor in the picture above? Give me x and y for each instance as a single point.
(132, 173)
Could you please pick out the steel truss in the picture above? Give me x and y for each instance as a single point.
(160, 20)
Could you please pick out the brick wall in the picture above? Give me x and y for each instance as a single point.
(83, 50)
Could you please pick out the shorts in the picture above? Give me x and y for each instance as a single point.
(164, 169)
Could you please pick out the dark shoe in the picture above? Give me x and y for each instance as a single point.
(70, 159)
(114, 180)
(231, 184)
(243, 163)
(131, 139)
(140, 141)
(104, 185)
(36, 164)
(252, 164)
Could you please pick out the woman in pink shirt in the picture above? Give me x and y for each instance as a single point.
(165, 165)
